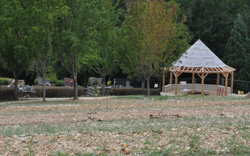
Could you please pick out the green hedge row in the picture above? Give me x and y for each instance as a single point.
(52, 91)
(4, 81)
(53, 81)
(6, 93)
(134, 91)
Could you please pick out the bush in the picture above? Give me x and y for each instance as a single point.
(52, 91)
(4, 81)
(7, 93)
(59, 83)
(52, 81)
(134, 91)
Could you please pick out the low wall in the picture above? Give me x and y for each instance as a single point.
(197, 87)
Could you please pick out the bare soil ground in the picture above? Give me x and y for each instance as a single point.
(183, 125)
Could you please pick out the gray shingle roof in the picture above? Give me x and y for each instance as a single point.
(199, 55)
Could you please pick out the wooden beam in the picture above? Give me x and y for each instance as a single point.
(176, 81)
(226, 85)
(163, 82)
(232, 82)
(193, 76)
(202, 83)
(218, 78)
(226, 82)
(199, 75)
(206, 75)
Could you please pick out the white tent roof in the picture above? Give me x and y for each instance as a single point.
(199, 55)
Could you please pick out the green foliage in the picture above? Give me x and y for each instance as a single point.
(151, 37)
(89, 82)
(109, 83)
(96, 90)
(4, 81)
(75, 34)
(54, 81)
(211, 20)
(237, 52)
(102, 58)
(15, 53)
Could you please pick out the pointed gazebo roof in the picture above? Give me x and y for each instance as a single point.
(200, 59)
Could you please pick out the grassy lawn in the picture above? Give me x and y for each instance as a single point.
(132, 125)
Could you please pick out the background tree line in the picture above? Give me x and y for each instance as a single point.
(122, 38)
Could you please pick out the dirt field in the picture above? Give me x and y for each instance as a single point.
(183, 125)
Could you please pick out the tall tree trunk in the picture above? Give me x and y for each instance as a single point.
(75, 86)
(159, 84)
(148, 86)
(143, 86)
(44, 90)
(103, 85)
(16, 88)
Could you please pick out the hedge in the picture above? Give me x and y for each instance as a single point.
(134, 91)
(52, 91)
(53, 81)
(4, 81)
(6, 94)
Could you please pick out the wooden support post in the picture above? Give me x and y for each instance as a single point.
(218, 78)
(193, 76)
(202, 84)
(171, 77)
(163, 82)
(232, 82)
(176, 81)
(226, 82)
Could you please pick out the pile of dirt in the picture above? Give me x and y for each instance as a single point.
(193, 92)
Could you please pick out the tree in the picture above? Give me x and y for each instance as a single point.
(177, 45)
(211, 20)
(237, 51)
(75, 33)
(44, 14)
(103, 59)
(149, 26)
(14, 26)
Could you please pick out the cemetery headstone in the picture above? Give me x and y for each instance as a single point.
(127, 83)
(95, 81)
(40, 82)
(68, 82)
(120, 82)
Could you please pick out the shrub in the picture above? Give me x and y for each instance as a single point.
(59, 83)
(52, 91)
(35, 81)
(134, 91)
(96, 90)
(4, 81)
(109, 83)
(6, 94)
(53, 81)
(89, 82)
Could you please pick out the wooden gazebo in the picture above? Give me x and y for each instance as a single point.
(200, 60)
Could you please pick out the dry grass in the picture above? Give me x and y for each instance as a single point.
(183, 125)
